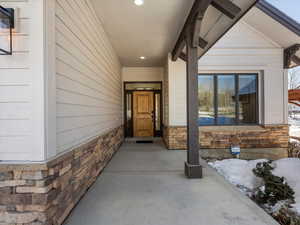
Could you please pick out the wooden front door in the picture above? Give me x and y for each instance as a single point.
(143, 114)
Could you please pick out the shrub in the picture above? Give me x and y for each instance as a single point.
(276, 188)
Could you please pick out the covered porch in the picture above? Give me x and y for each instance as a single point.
(144, 184)
(64, 109)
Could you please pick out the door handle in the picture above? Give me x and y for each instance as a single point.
(152, 115)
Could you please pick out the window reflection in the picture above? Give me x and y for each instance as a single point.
(227, 99)
(206, 100)
(247, 99)
(226, 102)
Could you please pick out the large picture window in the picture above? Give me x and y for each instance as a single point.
(228, 99)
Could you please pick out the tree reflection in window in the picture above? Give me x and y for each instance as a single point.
(227, 99)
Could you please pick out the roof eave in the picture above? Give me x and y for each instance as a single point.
(279, 16)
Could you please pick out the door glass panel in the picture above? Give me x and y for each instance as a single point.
(143, 86)
(157, 112)
(129, 128)
(226, 100)
(206, 100)
(247, 99)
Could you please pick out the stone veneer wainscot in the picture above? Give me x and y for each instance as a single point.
(45, 194)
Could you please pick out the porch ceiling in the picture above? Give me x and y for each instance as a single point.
(149, 30)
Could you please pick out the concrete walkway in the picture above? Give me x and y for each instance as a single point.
(144, 185)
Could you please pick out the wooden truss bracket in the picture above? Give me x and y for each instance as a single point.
(290, 58)
(195, 19)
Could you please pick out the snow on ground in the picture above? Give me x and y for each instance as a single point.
(294, 129)
(239, 172)
(290, 169)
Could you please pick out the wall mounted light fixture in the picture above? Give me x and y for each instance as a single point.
(7, 24)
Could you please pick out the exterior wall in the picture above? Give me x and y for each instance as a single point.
(46, 193)
(219, 137)
(177, 92)
(142, 73)
(88, 76)
(22, 89)
(256, 142)
(61, 106)
(242, 50)
(166, 96)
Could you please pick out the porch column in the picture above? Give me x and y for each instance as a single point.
(193, 168)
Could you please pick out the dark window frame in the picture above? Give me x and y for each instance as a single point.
(237, 107)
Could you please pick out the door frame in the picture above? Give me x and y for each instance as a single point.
(130, 133)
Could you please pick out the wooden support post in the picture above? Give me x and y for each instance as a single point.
(189, 39)
(192, 166)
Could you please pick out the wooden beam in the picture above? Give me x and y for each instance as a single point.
(296, 60)
(196, 16)
(290, 55)
(295, 103)
(196, 32)
(190, 20)
(178, 48)
(202, 43)
(182, 56)
(203, 5)
(226, 7)
(294, 95)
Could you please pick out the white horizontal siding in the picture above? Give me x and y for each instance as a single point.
(21, 85)
(88, 76)
(242, 49)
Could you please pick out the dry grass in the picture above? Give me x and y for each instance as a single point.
(294, 149)
(285, 216)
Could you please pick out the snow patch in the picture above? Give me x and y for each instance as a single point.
(290, 169)
(239, 172)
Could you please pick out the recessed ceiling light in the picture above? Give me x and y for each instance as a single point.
(142, 57)
(139, 2)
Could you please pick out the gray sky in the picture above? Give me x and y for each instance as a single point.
(289, 7)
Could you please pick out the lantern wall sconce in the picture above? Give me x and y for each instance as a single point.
(7, 24)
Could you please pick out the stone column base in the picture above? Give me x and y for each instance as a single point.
(193, 171)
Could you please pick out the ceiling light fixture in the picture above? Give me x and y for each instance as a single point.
(139, 2)
(142, 57)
